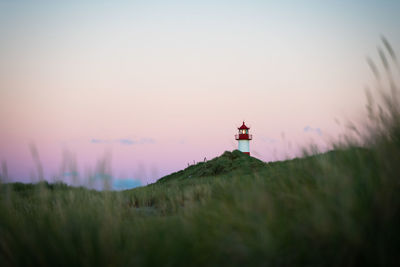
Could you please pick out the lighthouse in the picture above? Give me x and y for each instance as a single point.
(244, 139)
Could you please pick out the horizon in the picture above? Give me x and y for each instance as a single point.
(148, 87)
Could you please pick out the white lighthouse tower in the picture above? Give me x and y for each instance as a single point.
(244, 139)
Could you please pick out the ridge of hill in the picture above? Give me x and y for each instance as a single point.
(227, 162)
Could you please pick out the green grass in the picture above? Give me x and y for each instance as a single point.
(339, 208)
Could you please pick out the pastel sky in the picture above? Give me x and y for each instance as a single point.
(156, 85)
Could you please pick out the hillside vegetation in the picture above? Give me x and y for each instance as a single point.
(227, 162)
(342, 206)
(339, 208)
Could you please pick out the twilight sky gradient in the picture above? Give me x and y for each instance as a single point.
(158, 84)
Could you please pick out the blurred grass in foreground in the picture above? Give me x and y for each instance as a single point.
(335, 209)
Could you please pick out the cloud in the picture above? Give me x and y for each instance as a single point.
(99, 141)
(268, 140)
(141, 141)
(124, 141)
(70, 174)
(99, 181)
(124, 184)
(147, 141)
(309, 129)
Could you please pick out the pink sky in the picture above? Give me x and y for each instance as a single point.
(160, 85)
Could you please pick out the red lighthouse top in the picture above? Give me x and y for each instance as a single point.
(243, 133)
(243, 127)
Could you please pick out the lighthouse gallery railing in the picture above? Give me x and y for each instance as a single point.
(243, 136)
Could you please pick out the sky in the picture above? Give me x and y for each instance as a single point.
(152, 86)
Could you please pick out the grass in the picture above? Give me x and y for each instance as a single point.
(340, 208)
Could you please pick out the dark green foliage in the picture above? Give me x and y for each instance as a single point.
(227, 162)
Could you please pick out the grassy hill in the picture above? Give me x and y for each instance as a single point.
(227, 162)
